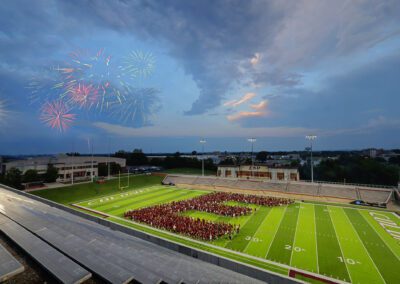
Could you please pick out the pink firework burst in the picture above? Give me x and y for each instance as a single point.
(85, 96)
(57, 115)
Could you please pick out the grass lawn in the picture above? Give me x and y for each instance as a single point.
(339, 242)
(79, 192)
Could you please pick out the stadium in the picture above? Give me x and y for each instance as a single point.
(238, 230)
(200, 141)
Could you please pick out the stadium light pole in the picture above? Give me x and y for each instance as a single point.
(252, 141)
(311, 138)
(202, 142)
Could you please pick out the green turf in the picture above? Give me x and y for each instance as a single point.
(328, 246)
(282, 246)
(83, 191)
(339, 242)
(384, 257)
(304, 251)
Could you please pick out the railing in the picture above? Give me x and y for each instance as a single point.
(351, 184)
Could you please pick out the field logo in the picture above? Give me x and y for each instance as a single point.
(391, 227)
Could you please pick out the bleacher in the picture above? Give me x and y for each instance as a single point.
(72, 248)
(301, 188)
(9, 266)
(375, 195)
(340, 191)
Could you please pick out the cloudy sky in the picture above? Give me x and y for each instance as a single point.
(159, 75)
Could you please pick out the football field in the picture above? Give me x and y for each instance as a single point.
(343, 243)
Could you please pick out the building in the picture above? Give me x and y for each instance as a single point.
(80, 166)
(259, 172)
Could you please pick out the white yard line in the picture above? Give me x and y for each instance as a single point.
(294, 238)
(390, 248)
(364, 246)
(341, 251)
(109, 195)
(354, 208)
(259, 227)
(316, 240)
(280, 222)
(398, 217)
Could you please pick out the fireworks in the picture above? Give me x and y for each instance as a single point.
(93, 82)
(52, 85)
(57, 115)
(139, 106)
(98, 71)
(3, 112)
(138, 64)
(85, 96)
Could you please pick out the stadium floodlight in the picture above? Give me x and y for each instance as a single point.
(252, 141)
(311, 138)
(202, 142)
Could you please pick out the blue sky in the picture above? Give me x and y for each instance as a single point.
(223, 70)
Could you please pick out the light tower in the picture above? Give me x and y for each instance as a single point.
(202, 142)
(311, 138)
(252, 141)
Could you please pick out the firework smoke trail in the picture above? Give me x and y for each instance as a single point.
(138, 64)
(57, 115)
(139, 106)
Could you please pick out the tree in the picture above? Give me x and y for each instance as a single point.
(13, 178)
(138, 158)
(262, 156)
(31, 176)
(227, 162)
(194, 153)
(51, 174)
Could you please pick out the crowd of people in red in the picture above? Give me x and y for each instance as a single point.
(166, 216)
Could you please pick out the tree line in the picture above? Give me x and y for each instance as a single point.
(15, 178)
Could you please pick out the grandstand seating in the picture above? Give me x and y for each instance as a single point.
(314, 189)
(338, 191)
(44, 231)
(301, 188)
(60, 266)
(9, 266)
(374, 195)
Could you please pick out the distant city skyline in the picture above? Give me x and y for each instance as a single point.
(161, 75)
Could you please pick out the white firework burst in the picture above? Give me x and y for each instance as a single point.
(4, 113)
(138, 64)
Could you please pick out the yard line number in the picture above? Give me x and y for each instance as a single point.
(296, 249)
(348, 260)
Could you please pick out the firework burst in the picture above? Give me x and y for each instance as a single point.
(51, 85)
(98, 71)
(138, 64)
(139, 106)
(84, 96)
(57, 115)
(3, 112)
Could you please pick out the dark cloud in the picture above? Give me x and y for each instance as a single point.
(211, 39)
(345, 102)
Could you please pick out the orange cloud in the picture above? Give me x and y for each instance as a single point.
(245, 98)
(255, 59)
(245, 114)
(260, 106)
